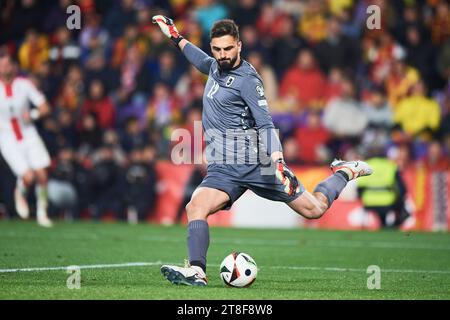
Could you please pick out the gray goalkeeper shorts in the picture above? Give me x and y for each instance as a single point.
(235, 179)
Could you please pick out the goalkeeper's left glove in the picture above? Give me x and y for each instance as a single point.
(286, 177)
(168, 28)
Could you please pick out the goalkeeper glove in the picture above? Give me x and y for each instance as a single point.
(168, 28)
(286, 177)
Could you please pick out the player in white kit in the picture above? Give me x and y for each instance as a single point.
(20, 143)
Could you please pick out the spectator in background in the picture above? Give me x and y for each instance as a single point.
(33, 51)
(291, 150)
(334, 84)
(140, 184)
(436, 160)
(99, 104)
(245, 13)
(193, 124)
(267, 75)
(190, 87)
(162, 112)
(443, 62)
(410, 17)
(133, 136)
(112, 139)
(440, 23)
(56, 16)
(67, 130)
(312, 139)
(417, 112)
(107, 184)
(7, 184)
(349, 25)
(444, 128)
(94, 38)
(131, 38)
(385, 192)
(421, 55)
(64, 51)
(380, 119)
(249, 36)
(337, 7)
(135, 79)
(208, 12)
(336, 49)
(121, 14)
(20, 16)
(49, 131)
(400, 81)
(270, 22)
(286, 46)
(62, 185)
(97, 68)
(402, 155)
(377, 109)
(47, 80)
(71, 94)
(305, 82)
(167, 71)
(192, 29)
(89, 134)
(313, 23)
(162, 109)
(157, 45)
(382, 53)
(336, 114)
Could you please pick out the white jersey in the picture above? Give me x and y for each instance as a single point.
(20, 143)
(15, 99)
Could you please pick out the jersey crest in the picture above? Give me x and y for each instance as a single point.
(230, 81)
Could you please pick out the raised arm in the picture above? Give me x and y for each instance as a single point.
(195, 55)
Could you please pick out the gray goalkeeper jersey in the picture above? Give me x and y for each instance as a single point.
(236, 122)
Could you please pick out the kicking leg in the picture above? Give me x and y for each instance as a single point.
(205, 201)
(313, 206)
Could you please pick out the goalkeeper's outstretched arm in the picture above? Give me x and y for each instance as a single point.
(195, 55)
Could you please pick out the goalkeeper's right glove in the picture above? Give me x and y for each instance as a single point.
(168, 28)
(286, 177)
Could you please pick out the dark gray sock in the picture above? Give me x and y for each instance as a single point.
(331, 187)
(198, 242)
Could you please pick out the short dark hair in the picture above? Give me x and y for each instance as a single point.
(223, 28)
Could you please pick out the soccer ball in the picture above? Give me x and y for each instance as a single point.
(238, 269)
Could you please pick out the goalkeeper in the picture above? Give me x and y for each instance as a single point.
(243, 149)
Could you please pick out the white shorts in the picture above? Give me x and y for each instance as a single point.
(27, 154)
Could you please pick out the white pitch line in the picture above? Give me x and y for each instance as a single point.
(92, 266)
(331, 243)
(157, 263)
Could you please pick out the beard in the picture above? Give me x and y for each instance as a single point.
(227, 64)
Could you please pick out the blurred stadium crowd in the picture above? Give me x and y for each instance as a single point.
(335, 88)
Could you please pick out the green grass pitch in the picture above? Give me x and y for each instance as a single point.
(293, 263)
